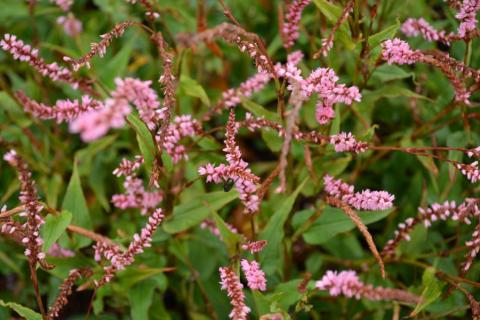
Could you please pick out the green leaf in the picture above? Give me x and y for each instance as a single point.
(335, 127)
(274, 233)
(144, 138)
(74, 201)
(25, 312)
(132, 276)
(392, 92)
(192, 88)
(387, 72)
(331, 11)
(333, 221)
(192, 213)
(140, 297)
(231, 239)
(54, 227)
(432, 289)
(387, 33)
(259, 111)
(117, 66)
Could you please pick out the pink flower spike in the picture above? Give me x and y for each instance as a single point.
(255, 246)
(289, 31)
(420, 27)
(364, 200)
(467, 16)
(255, 276)
(348, 284)
(231, 283)
(70, 24)
(398, 51)
(346, 142)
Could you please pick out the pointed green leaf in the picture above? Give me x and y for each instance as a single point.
(25, 312)
(432, 289)
(192, 213)
(54, 227)
(274, 233)
(192, 88)
(74, 201)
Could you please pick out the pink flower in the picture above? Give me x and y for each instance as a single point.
(64, 110)
(142, 96)
(415, 27)
(348, 284)
(398, 51)
(347, 142)
(289, 31)
(119, 260)
(57, 251)
(236, 171)
(231, 283)
(246, 89)
(24, 52)
(471, 171)
(364, 200)
(63, 4)
(467, 16)
(29, 199)
(324, 113)
(255, 276)
(70, 24)
(255, 246)
(95, 124)
(182, 126)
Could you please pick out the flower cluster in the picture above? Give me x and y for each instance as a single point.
(416, 27)
(323, 82)
(57, 251)
(71, 25)
(255, 276)
(65, 292)
(256, 83)
(236, 170)
(142, 96)
(364, 200)
(463, 212)
(29, 199)
(63, 110)
(348, 284)
(254, 246)
(346, 142)
(94, 124)
(398, 51)
(99, 48)
(120, 260)
(136, 196)
(231, 283)
(24, 52)
(289, 29)
(467, 16)
(63, 4)
(471, 171)
(210, 225)
(181, 127)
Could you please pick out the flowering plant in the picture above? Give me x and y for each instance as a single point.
(297, 159)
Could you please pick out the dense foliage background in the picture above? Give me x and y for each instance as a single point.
(178, 278)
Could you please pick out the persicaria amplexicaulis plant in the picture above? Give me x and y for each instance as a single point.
(239, 159)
